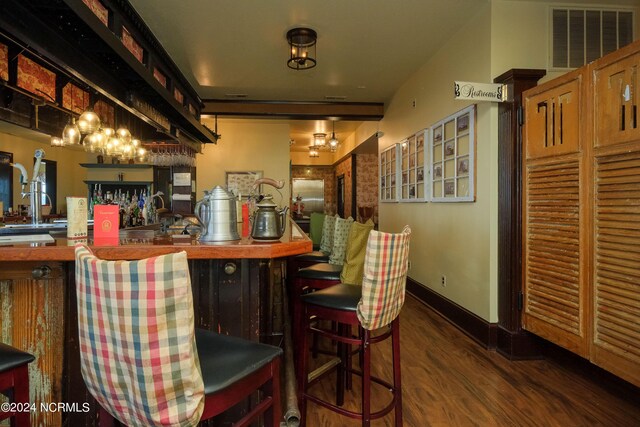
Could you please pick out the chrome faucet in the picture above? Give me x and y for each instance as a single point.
(35, 187)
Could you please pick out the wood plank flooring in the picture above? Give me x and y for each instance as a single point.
(449, 380)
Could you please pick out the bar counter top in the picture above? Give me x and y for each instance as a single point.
(143, 244)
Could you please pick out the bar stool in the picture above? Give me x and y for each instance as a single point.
(143, 360)
(14, 382)
(322, 275)
(374, 306)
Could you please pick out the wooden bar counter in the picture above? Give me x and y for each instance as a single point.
(237, 290)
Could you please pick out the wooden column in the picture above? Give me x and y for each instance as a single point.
(512, 341)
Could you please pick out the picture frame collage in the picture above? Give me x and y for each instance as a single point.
(435, 164)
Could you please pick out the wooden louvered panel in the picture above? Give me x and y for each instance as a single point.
(552, 113)
(616, 100)
(554, 292)
(616, 340)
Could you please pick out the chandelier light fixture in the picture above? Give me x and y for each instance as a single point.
(302, 48)
(333, 142)
(319, 139)
(319, 142)
(88, 132)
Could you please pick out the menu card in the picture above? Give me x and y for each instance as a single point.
(76, 218)
(106, 223)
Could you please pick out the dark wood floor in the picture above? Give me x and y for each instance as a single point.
(449, 380)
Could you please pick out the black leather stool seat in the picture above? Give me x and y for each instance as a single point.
(12, 357)
(340, 297)
(320, 271)
(315, 256)
(224, 360)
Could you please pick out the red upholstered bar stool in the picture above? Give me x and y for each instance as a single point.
(14, 382)
(374, 306)
(143, 360)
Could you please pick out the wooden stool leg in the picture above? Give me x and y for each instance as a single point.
(349, 379)
(105, 419)
(297, 313)
(21, 395)
(397, 383)
(272, 388)
(340, 376)
(366, 379)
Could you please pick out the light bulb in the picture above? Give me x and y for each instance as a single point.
(124, 135)
(71, 133)
(88, 122)
(56, 142)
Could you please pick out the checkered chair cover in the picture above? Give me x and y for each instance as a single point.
(385, 276)
(137, 341)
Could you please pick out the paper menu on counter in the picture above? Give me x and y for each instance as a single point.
(106, 222)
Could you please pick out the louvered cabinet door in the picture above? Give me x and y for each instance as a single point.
(555, 295)
(616, 333)
(616, 98)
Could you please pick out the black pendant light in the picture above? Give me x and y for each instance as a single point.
(302, 48)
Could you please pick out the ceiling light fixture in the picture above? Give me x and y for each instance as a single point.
(302, 48)
(313, 152)
(88, 132)
(333, 142)
(319, 139)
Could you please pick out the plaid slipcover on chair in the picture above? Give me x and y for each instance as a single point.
(141, 357)
(375, 305)
(385, 276)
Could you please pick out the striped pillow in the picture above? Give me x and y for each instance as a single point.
(385, 276)
(137, 342)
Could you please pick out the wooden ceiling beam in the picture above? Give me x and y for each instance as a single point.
(356, 111)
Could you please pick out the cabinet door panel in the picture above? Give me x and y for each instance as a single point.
(616, 101)
(552, 118)
(616, 334)
(554, 293)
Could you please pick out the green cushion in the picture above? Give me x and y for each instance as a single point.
(353, 267)
(328, 226)
(315, 227)
(340, 235)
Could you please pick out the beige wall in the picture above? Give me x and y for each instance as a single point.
(460, 240)
(23, 143)
(526, 44)
(457, 240)
(246, 145)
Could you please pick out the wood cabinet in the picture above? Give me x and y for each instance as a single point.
(581, 212)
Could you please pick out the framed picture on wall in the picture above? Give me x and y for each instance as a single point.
(390, 173)
(452, 166)
(413, 188)
(240, 182)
